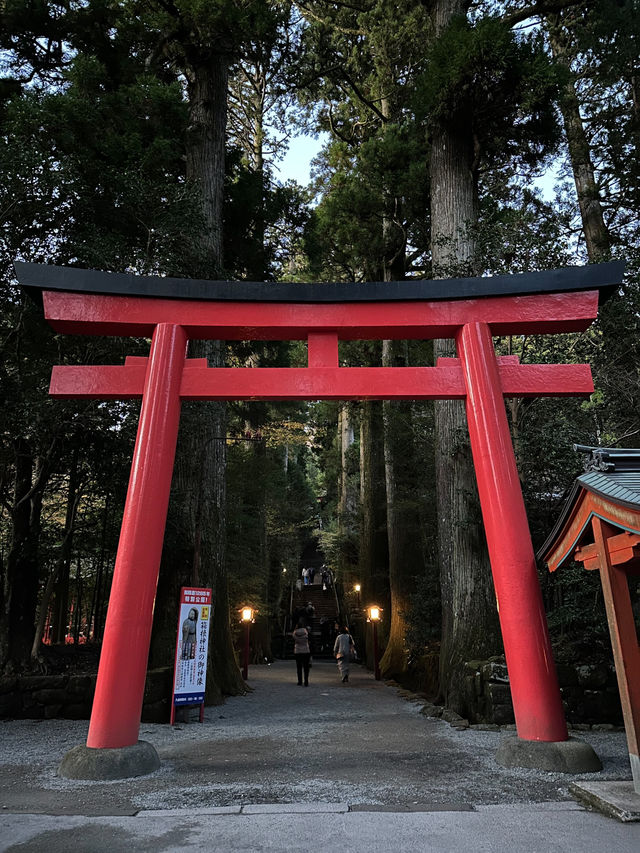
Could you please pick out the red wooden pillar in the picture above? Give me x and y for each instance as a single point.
(534, 686)
(624, 641)
(115, 717)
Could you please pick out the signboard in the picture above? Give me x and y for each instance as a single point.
(190, 674)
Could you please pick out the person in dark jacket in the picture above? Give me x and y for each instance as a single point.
(310, 613)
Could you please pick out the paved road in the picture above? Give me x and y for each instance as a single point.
(351, 767)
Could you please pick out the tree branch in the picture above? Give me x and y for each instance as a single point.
(335, 130)
(361, 97)
(537, 10)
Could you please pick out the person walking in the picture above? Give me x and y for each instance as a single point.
(343, 649)
(310, 614)
(302, 652)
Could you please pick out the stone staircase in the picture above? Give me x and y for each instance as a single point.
(326, 609)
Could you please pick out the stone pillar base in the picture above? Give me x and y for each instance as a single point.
(83, 762)
(564, 756)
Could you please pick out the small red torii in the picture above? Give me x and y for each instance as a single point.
(172, 311)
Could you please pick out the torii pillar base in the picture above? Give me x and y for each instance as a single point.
(125, 762)
(564, 756)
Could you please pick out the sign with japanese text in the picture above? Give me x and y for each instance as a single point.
(192, 643)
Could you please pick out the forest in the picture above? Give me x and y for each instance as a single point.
(458, 139)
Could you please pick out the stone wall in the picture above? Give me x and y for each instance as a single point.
(589, 693)
(70, 696)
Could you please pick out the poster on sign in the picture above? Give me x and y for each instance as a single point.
(190, 675)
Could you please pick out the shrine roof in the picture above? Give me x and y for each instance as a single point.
(611, 473)
(605, 277)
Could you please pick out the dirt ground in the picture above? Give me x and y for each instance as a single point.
(360, 743)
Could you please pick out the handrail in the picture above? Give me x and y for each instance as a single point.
(290, 602)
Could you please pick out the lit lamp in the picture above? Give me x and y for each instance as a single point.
(247, 615)
(374, 613)
(357, 589)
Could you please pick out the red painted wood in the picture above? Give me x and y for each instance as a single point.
(108, 382)
(166, 378)
(94, 314)
(534, 686)
(624, 639)
(322, 349)
(98, 382)
(577, 526)
(115, 716)
(622, 548)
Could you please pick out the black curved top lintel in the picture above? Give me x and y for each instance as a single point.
(36, 278)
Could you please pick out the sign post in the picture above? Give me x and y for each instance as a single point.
(192, 643)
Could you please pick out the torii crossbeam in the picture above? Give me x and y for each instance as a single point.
(173, 311)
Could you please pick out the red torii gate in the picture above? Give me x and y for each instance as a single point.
(173, 311)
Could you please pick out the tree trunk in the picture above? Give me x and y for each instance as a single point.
(19, 589)
(346, 496)
(470, 627)
(596, 234)
(374, 549)
(207, 80)
(195, 540)
(403, 524)
(397, 446)
(259, 267)
(373, 552)
(64, 558)
(101, 580)
(79, 602)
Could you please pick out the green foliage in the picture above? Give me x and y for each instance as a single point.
(500, 85)
(424, 613)
(270, 513)
(265, 223)
(92, 172)
(344, 239)
(517, 230)
(577, 618)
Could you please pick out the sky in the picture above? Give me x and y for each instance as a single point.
(297, 164)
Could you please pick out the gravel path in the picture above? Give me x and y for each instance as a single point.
(357, 743)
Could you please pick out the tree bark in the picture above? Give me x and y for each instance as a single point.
(374, 549)
(347, 497)
(596, 234)
(470, 627)
(101, 580)
(403, 523)
(394, 660)
(195, 539)
(401, 527)
(373, 553)
(207, 81)
(19, 588)
(64, 558)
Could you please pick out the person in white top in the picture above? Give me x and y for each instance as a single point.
(302, 652)
(343, 649)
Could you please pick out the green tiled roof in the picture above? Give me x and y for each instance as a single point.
(622, 487)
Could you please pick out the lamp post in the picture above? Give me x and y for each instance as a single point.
(357, 589)
(374, 617)
(247, 618)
